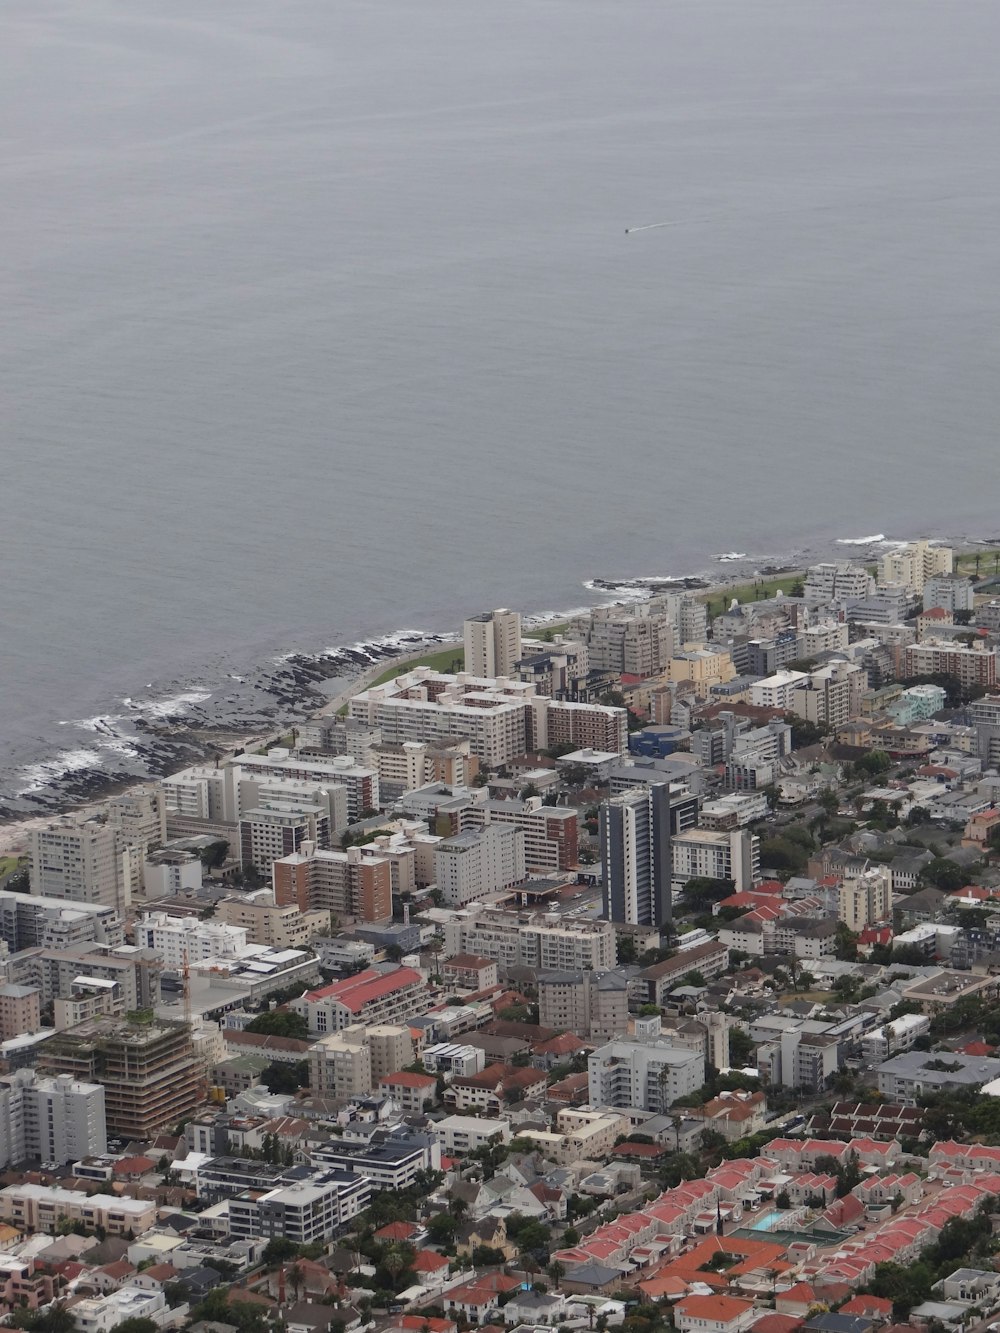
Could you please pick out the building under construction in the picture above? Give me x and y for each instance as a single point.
(147, 1066)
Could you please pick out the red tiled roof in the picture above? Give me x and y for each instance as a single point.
(357, 991)
(133, 1166)
(427, 1261)
(396, 1231)
(405, 1078)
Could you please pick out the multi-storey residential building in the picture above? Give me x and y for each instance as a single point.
(635, 841)
(655, 983)
(531, 939)
(339, 735)
(340, 1064)
(360, 782)
(917, 704)
(589, 1004)
(840, 581)
(52, 1119)
(702, 668)
(500, 718)
(951, 592)
(866, 897)
(467, 971)
(733, 811)
(392, 1164)
(30, 921)
(268, 834)
(891, 1038)
(281, 926)
(77, 858)
(637, 640)
(411, 1091)
(56, 971)
(148, 1069)
(492, 643)
(349, 884)
(753, 760)
(800, 1057)
(313, 1208)
(832, 695)
(426, 706)
(180, 940)
(885, 606)
(582, 726)
(91, 997)
(974, 665)
(646, 1072)
(551, 833)
(558, 670)
(369, 997)
(912, 565)
(42, 1207)
(475, 864)
(20, 1010)
(777, 691)
(703, 853)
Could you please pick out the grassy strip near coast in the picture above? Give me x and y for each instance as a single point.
(717, 599)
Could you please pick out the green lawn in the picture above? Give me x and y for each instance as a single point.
(989, 562)
(440, 660)
(718, 602)
(8, 863)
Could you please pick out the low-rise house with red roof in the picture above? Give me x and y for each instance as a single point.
(397, 1231)
(713, 1314)
(778, 1323)
(734, 1115)
(875, 1308)
(796, 1300)
(557, 1051)
(418, 1323)
(480, 1297)
(878, 1191)
(430, 1268)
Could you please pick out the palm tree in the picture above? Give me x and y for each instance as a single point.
(556, 1272)
(396, 1259)
(296, 1279)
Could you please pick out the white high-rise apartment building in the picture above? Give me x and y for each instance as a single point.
(55, 1119)
(474, 864)
(492, 643)
(866, 897)
(76, 858)
(912, 565)
(838, 581)
(646, 1072)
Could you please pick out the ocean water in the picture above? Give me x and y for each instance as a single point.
(321, 319)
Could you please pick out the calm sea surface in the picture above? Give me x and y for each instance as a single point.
(320, 318)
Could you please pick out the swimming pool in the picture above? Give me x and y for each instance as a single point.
(769, 1222)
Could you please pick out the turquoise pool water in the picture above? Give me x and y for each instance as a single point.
(769, 1222)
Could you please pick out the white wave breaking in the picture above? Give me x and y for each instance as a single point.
(169, 707)
(41, 775)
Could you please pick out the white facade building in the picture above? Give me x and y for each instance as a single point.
(646, 1072)
(54, 1119)
(776, 691)
(473, 865)
(492, 643)
(177, 940)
